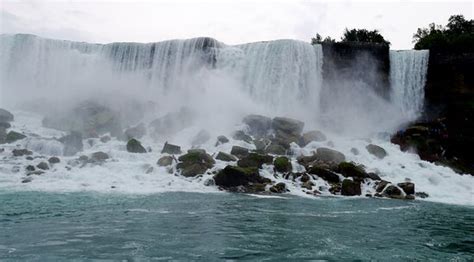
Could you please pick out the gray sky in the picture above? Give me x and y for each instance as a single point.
(231, 22)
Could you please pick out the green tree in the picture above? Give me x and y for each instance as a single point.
(363, 35)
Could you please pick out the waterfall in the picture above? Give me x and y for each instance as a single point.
(407, 77)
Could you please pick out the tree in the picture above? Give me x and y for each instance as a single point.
(456, 36)
(363, 35)
(318, 39)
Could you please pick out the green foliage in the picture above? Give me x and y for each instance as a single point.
(318, 39)
(457, 35)
(363, 35)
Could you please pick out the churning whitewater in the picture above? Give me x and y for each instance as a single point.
(209, 86)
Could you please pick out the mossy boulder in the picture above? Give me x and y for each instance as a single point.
(329, 155)
(349, 169)
(275, 149)
(13, 136)
(282, 164)
(233, 176)
(171, 149)
(195, 162)
(376, 150)
(226, 157)
(134, 146)
(350, 188)
(255, 160)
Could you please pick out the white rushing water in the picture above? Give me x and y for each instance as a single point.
(219, 84)
(408, 70)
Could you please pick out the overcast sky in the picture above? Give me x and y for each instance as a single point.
(231, 22)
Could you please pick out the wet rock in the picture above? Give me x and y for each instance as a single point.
(254, 160)
(27, 180)
(407, 187)
(21, 152)
(421, 194)
(311, 136)
(29, 158)
(195, 162)
(259, 125)
(381, 186)
(72, 143)
(202, 137)
(165, 161)
(5, 125)
(241, 136)
(350, 188)
(275, 149)
(373, 176)
(376, 151)
(329, 155)
(355, 151)
(89, 118)
(98, 157)
(134, 146)
(282, 164)
(305, 178)
(43, 166)
(335, 189)
(35, 173)
(232, 176)
(136, 132)
(285, 139)
(278, 188)
(349, 169)
(222, 140)
(325, 174)
(171, 149)
(226, 157)
(261, 144)
(54, 160)
(105, 139)
(173, 122)
(13, 136)
(30, 168)
(5, 116)
(392, 191)
(308, 185)
(287, 125)
(239, 151)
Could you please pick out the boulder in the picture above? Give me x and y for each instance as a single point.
(282, 164)
(165, 161)
(376, 151)
(329, 155)
(54, 160)
(373, 176)
(254, 160)
(350, 188)
(13, 136)
(355, 151)
(392, 191)
(407, 187)
(239, 151)
(349, 169)
(381, 186)
(285, 139)
(105, 139)
(311, 136)
(275, 149)
(222, 140)
(5, 125)
(225, 157)
(43, 166)
(232, 176)
(134, 146)
(241, 136)
(21, 152)
(421, 194)
(278, 188)
(308, 185)
(171, 149)
(324, 173)
(305, 178)
(258, 125)
(98, 157)
(172, 122)
(195, 162)
(72, 143)
(89, 118)
(202, 137)
(287, 125)
(30, 168)
(5, 116)
(136, 132)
